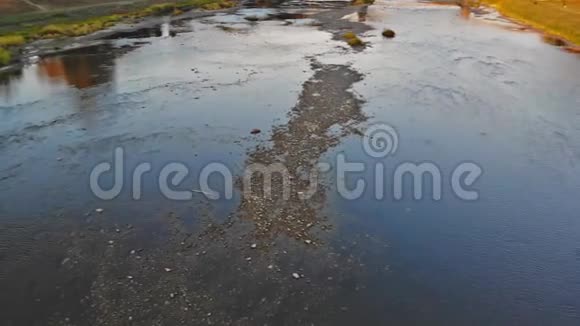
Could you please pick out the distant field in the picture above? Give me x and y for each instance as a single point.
(554, 16)
(22, 6)
(85, 18)
(8, 7)
(15, 15)
(11, 7)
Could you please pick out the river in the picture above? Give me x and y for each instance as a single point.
(454, 88)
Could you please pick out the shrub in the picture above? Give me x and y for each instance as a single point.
(218, 5)
(349, 35)
(362, 2)
(50, 30)
(5, 57)
(11, 40)
(352, 39)
(554, 40)
(354, 42)
(78, 29)
(211, 6)
(159, 9)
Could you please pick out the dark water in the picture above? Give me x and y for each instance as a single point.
(455, 89)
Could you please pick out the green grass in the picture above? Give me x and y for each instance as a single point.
(557, 17)
(178, 7)
(362, 2)
(159, 9)
(5, 57)
(78, 29)
(11, 40)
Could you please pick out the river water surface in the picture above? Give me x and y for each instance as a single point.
(455, 88)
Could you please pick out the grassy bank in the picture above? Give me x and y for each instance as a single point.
(5, 57)
(558, 17)
(20, 29)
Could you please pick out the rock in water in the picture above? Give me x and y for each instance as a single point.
(389, 33)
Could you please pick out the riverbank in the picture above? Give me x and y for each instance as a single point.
(559, 18)
(22, 29)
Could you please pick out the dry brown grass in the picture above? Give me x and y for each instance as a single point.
(558, 17)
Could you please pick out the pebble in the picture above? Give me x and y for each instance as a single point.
(255, 131)
(296, 276)
(254, 246)
(308, 241)
(168, 269)
(99, 210)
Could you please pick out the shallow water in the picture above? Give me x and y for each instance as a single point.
(462, 90)
(455, 89)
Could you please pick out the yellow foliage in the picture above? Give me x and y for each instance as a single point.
(349, 35)
(558, 17)
(5, 57)
(352, 39)
(11, 40)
